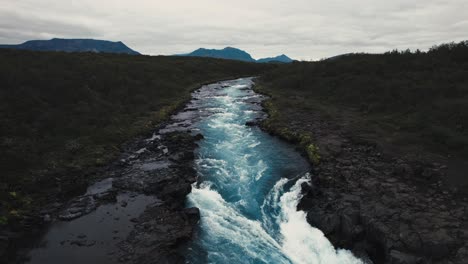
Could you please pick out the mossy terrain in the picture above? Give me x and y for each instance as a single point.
(414, 101)
(277, 125)
(64, 114)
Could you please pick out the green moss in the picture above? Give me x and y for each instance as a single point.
(286, 134)
(304, 139)
(313, 154)
(277, 124)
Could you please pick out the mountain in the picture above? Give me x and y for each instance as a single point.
(231, 53)
(74, 45)
(281, 58)
(226, 53)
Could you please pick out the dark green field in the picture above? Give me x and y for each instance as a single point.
(405, 100)
(63, 114)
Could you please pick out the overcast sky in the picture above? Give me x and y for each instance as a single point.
(302, 29)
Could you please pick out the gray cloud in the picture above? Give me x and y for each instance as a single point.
(303, 29)
(16, 28)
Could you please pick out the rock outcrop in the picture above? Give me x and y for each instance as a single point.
(391, 209)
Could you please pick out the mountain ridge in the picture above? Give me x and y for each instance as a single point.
(281, 58)
(226, 53)
(232, 53)
(74, 45)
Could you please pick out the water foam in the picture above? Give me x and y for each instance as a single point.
(230, 230)
(302, 243)
(248, 207)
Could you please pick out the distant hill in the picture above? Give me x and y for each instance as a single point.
(231, 53)
(340, 56)
(74, 45)
(281, 58)
(226, 53)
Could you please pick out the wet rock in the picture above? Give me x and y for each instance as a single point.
(397, 257)
(308, 190)
(158, 233)
(251, 123)
(165, 151)
(109, 196)
(193, 214)
(46, 218)
(330, 223)
(83, 243)
(176, 193)
(78, 207)
(198, 137)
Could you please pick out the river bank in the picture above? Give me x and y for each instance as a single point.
(136, 214)
(123, 182)
(249, 185)
(18, 236)
(391, 208)
(66, 116)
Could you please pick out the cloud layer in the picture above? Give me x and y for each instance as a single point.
(303, 29)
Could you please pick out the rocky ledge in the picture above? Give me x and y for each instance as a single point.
(138, 206)
(386, 209)
(166, 173)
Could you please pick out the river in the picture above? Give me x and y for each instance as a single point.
(248, 188)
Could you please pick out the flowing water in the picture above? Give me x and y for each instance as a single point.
(249, 187)
(248, 190)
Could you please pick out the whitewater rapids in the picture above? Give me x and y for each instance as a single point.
(249, 187)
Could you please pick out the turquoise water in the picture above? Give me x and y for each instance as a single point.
(249, 187)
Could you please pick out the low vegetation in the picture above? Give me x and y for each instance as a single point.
(64, 114)
(407, 99)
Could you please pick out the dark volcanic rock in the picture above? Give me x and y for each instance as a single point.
(165, 225)
(157, 234)
(392, 209)
(251, 123)
(78, 207)
(398, 257)
(160, 167)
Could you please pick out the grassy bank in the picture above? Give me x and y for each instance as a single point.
(406, 101)
(64, 114)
